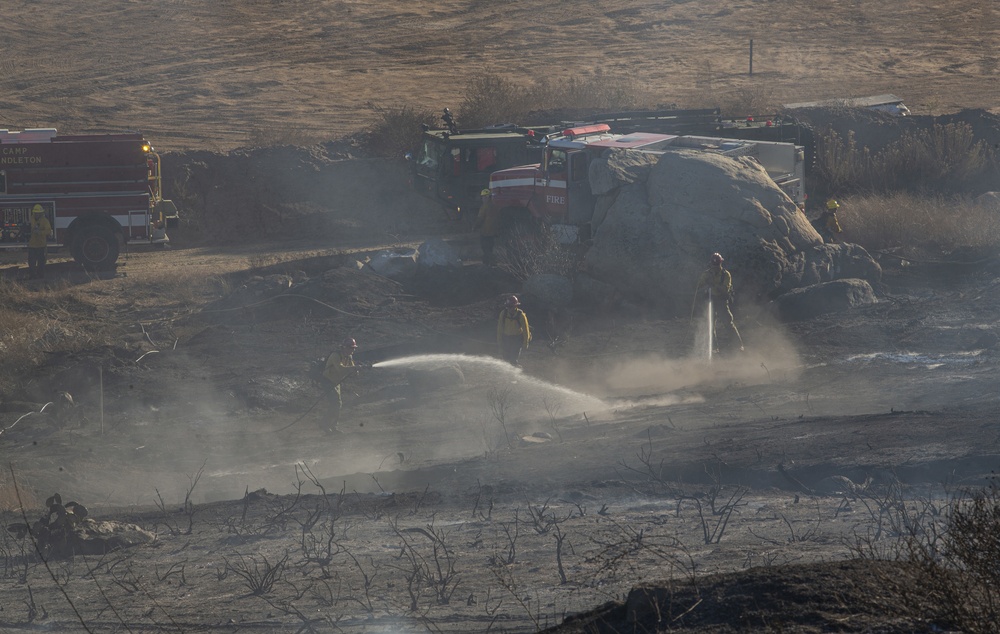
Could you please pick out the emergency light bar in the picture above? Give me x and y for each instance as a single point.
(587, 129)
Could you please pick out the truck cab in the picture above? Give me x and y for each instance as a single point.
(557, 190)
(452, 168)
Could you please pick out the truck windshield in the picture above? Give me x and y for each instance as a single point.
(556, 163)
(429, 154)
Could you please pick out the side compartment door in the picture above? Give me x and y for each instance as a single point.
(138, 224)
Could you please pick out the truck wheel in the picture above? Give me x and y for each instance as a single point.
(95, 247)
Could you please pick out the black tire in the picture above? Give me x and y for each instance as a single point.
(95, 247)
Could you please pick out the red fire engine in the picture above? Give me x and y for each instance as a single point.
(557, 191)
(99, 191)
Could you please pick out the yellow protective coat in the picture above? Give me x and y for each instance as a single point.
(831, 223)
(338, 367)
(40, 230)
(719, 279)
(488, 220)
(512, 324)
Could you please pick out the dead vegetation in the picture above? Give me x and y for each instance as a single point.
(943, 159)
(350, 559)
(890, 221)
(490, 97)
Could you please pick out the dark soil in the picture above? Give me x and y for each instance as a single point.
(436, 515)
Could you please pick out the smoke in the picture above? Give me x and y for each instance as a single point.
(662, 378)
(419, 412)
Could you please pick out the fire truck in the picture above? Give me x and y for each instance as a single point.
(557, 191)
(452, 166)
(99, 191)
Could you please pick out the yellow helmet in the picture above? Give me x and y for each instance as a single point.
(38, 209)
(832, 204)
(485, 192)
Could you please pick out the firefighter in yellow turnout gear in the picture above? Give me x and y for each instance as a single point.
(513, 332)
(339, 367)
(488, 224)
(720, 283)
(828, 224)
(38, 243)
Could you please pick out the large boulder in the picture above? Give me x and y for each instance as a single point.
(665, 219)
(837, 296)
(619, 167)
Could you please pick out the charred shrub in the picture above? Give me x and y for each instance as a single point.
(963, 577)
(949, 572)
(531, 249)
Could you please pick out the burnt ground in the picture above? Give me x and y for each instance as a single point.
(483, 498)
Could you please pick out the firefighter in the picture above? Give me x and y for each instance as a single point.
(488, 224)
(39, 228)
(719, 284)
(513, 332)
(339, 366)
(828, 225)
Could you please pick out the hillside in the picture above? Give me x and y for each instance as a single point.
(213, 75)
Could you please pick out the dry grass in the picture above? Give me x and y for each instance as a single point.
(184, 289)
(12, 498)
(492, 98)
(944, 159)
(598, 92)
(32, 324)
(752, 98)
(886, 221)
(66, 318)
(264, 133)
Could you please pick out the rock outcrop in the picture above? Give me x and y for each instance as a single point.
(658, 218)
(828, 297)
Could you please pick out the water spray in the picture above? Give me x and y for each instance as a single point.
(711, 326)
(496, 367)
